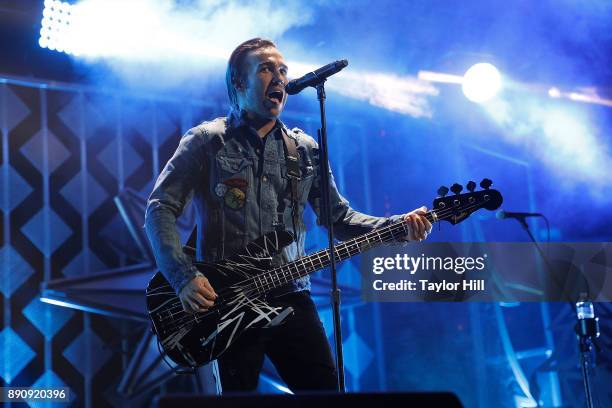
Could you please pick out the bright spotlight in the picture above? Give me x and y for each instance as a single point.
(554, 92)
(56, 21)
(481, 82)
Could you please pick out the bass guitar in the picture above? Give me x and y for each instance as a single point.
(192, 340)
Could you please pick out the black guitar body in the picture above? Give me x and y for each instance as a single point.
(192, 340)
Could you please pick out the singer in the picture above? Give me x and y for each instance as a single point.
(239, 173)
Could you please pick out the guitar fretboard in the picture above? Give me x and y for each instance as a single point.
(321, 259)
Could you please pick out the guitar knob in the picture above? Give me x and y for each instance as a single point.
(442, 191)
(486, 183)
(471, 186)
(456, 188)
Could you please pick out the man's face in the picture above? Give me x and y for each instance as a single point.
(262, 90)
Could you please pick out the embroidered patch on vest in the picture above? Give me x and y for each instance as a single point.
(236, 182)
(220, 189)
(235, 198)
(233, 192)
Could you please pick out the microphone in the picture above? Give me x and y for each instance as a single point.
(315, 78)
(501, 214)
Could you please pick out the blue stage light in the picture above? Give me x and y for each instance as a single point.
(481, 82)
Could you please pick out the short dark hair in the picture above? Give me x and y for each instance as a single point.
(235, 64)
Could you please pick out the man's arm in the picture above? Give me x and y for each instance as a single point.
(173, 189)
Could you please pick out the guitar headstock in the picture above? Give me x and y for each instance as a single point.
(457, 207)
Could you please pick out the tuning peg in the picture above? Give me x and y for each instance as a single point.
(442, 191)
(471, 186)
(456, 188)
(486, 183)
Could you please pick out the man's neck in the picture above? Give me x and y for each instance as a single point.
(263, 126)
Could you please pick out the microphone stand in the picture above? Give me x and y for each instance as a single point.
(327, 216)
(587, 326)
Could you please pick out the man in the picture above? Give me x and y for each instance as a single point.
(235, 170)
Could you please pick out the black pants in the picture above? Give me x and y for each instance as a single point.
(298, 348)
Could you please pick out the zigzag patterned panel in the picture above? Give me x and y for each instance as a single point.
(23, 362)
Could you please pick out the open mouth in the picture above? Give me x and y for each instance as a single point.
(276, 96)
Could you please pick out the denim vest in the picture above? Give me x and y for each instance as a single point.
(239, 186)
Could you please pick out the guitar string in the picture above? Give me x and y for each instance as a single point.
(255, 287)
(385, 234)
(348, 250)
(252, 288)
(441, 215)
(250, 281)
(188, 318)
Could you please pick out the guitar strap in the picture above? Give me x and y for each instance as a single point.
(293, 173)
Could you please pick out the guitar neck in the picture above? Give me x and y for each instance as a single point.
(347, 249)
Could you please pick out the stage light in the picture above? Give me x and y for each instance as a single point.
(184, 43)
(57, 18)
(403, 94)
(481, 82)
(151, 31)
(440, 77)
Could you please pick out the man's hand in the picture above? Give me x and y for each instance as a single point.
(197, 295)
(418, 224)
